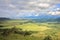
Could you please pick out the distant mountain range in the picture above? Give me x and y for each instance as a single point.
(4, 19)
(44, 18)
(40, 18)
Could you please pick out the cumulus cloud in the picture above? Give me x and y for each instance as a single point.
(12, 6)
(55, 13)
(44, 5)
(55, 10)
(24, 7)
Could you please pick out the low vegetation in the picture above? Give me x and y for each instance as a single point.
(29, 30)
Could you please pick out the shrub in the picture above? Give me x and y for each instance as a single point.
(1, 26)
(48, 38)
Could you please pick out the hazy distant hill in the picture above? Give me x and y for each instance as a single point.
(3, 18)
(40, 18)
(57, 19)
(44, 18)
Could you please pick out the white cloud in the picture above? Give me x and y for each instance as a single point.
(52, 13)
(36, 14)
(12, 6)
(55, 13)
(32, 2)
(46, 5)
(58, 9)
(30, 6)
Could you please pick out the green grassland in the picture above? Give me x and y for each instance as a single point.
(30, 30)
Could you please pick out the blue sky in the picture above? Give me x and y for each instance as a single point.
(21, 8)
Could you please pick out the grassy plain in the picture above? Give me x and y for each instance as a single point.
(43, 30)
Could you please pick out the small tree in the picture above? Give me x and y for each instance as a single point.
(1, 26)
(27, 33)
(48, 38)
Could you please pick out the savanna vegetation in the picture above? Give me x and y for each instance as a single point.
(29, 30)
